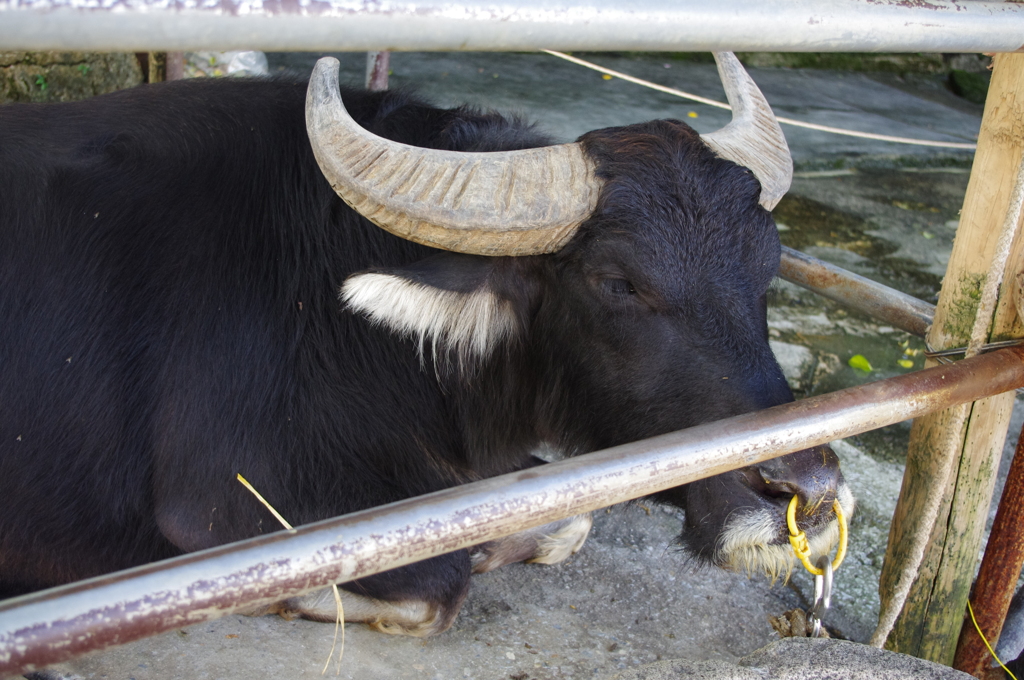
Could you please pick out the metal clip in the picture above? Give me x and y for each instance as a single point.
(822, 595)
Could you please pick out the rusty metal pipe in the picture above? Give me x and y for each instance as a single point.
(175, 66)
(997, 577)
(377, 66)
(881, 302)
(55, 625)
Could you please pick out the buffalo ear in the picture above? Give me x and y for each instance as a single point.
(447, 301)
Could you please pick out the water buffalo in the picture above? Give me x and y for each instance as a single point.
(171, 260)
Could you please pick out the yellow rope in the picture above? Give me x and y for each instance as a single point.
(781, 119)
(798, 539)
(970, 610)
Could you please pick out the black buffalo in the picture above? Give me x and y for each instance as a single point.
(170, 265)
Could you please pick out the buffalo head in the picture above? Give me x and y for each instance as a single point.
(597, 293)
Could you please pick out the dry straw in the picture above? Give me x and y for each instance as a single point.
(334, 588)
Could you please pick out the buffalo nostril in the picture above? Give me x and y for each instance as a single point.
(812, 475)
(768, 485)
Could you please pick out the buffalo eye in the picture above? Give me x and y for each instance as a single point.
(620, 287)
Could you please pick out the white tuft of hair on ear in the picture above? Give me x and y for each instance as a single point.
(472, 324)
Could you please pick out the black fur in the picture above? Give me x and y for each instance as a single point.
(170, 258)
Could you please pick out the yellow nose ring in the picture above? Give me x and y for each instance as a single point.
(798, 539)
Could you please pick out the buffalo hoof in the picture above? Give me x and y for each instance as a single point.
(547, 544)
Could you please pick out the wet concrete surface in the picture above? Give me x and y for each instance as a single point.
(567, 100)
(630, 597)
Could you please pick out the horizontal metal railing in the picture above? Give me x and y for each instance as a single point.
(648, 25)
(857, 292)
(51, 626)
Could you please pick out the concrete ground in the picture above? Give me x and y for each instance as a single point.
(630, 597)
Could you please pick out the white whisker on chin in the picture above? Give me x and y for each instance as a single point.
(846, 500)
(750, 543)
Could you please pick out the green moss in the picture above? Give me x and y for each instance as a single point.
(971, 86)
(64, 76)
(963, 308)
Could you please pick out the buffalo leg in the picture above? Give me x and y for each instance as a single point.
(423, 599)
(547, 544)
(418, 599)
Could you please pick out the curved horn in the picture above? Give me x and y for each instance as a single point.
(753, 138)
(505, 203)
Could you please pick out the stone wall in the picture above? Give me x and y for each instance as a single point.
(65, 76)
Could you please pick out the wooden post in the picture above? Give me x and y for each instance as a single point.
(930, 623)
(997, 578)
(157, 67)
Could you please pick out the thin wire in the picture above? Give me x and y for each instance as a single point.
(786, 121)
(991, 651)
(938, 355)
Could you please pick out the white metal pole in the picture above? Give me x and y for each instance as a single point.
(489, 25)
